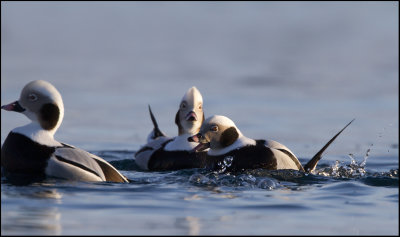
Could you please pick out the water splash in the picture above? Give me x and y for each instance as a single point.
(334, 170)
(228, 180)
(246, 180)
(201, 180)
(364, 162)
(352, 159)
(394, 173)
(267, 183)
(257, 178)
(227, 162)
(342, 170)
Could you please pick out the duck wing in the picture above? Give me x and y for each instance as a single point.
(73, 163)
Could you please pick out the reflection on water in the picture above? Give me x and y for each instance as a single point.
(190, 224)
(52, 194)
(35, 217)
(32, 220)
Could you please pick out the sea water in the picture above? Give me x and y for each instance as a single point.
(294, 72)
(334, 200)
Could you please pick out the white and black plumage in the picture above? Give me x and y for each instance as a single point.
(224, 139)
(31, 151)
(173, 153)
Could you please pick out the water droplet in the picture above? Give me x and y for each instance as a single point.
(266, 184)
(228, 161)
(353, 161)
(198, 179)
(366, 157)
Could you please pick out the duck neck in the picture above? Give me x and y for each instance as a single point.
(36, 133)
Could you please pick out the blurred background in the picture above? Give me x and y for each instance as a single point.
(295, 72)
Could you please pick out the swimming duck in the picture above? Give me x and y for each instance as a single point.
(172, 153)
(225, 140)
(31, 150)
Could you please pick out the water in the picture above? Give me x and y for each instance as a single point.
(190, 202)
(292, 72)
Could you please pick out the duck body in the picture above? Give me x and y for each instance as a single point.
(169, 154)
(67, 162)
(253, 156)
(31, 161)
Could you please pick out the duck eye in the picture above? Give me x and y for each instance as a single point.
(183, 105)
(200, 106)
(214, 128)
(32, 97)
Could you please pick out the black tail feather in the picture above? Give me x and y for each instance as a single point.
(310, 166)
(157, 131)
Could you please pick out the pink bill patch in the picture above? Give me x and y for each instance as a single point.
(9, 107)
(191, 116)
(193, 139)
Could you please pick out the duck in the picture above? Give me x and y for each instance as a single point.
(31, 152)
(162, 152)
(228, 147)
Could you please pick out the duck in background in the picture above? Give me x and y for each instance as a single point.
(173, 153)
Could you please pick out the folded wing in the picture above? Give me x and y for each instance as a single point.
(76, 164)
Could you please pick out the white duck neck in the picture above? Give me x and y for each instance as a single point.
(36, 133)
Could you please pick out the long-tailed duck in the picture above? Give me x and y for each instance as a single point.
(224, 139)
(32, 152)
(165, 153)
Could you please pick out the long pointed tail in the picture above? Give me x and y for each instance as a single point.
(310, 166)
(157, 132)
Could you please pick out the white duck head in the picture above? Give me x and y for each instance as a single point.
(190, 115)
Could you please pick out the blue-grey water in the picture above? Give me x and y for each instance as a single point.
(294, 72)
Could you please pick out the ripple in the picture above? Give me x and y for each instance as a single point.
(126, 164)
(347, 189)
(115, 154)
(290, 207)
(381, 181)
(241, 180)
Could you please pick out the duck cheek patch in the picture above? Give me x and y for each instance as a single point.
(229, 136)
(49, 114)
